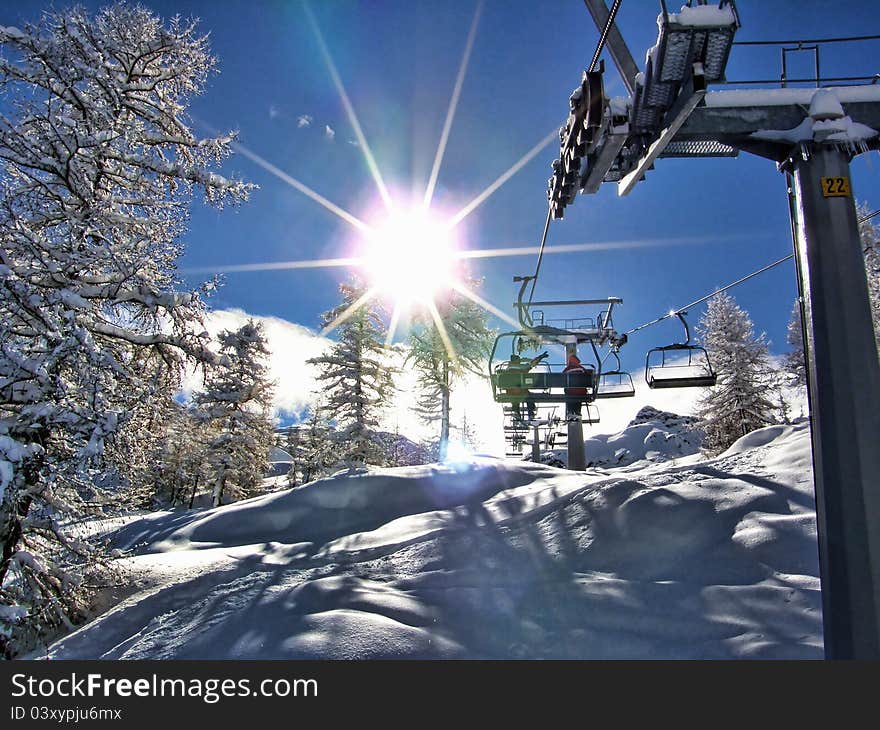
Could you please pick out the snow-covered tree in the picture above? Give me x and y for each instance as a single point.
(355, 377)
(97, 169)
(468, 434)
(318, 445)
(180, 463)
(308, 446)
(440, 365)
(794, 362)
(739, 403)
(237, 405)
(293, 443)
(870, 236)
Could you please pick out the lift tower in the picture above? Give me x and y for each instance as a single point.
(811, 134)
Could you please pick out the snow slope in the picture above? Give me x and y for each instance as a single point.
(489, 559)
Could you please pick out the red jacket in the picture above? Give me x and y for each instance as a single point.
(574, 366)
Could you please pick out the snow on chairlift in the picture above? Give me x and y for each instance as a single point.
(615, 383)
(679, 365)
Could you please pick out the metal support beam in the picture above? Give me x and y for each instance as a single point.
(577, 460)
(604, 159)
(566, 302)
(536, 444)
(615, 44)
(844, 383)
(678, 115)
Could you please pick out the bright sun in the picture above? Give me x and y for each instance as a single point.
(410, 258)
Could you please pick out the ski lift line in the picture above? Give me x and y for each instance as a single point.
(604, 36)
(849, 39)
(541, 252)
(558, 303)
(676, 312)
(600, 46)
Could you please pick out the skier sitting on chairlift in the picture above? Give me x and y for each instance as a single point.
(574, 366)
(517, 365)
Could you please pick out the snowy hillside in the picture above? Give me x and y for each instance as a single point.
(490, 559)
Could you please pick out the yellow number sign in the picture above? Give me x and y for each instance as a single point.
(836, 187)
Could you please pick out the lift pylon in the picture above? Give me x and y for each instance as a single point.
(672, 113)
(524, 384)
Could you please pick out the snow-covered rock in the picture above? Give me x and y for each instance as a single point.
(653, 435)
(493, 559)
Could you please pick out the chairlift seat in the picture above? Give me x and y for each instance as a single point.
(537, 386)
(698, 381)
(615, 384)
(696, 372)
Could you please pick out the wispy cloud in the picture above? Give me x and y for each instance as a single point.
(329, 133)
(304, 120)
(273, 111)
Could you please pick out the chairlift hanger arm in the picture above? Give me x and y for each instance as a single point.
(628, 71)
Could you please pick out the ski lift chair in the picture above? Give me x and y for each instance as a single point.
(679, 365)
(615, 383)
(542, 384)
(590, 414)
(515, 443)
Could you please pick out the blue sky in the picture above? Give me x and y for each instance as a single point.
(398, 61)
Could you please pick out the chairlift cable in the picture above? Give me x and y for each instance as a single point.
(600, 46)
(541, 253)
(604, 37)
(675, 312)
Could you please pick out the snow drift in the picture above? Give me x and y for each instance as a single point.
(489, 559)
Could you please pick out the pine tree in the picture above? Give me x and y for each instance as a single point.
(468, 433)
(179, 465)
(294, 444)
(237, 402)
(318, 443)
(870, 236)
(794, 362)
(469, 337)
(738, 404)
(98, 169)
(356, 378)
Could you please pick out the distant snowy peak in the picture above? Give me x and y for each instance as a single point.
(653, 435)
(670, 420)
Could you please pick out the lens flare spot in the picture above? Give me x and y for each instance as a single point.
(411, 258)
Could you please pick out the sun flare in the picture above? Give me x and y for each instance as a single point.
(410, 258)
